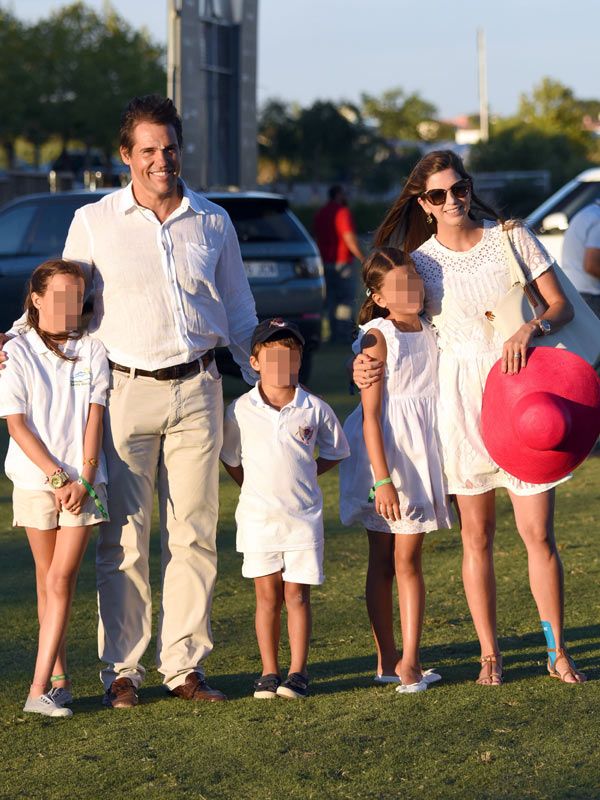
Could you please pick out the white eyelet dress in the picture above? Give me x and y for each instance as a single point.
(459, 288)
(411, 442)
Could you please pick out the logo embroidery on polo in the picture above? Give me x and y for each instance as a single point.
(305, 434)
(83, 377)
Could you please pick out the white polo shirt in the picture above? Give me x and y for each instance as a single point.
(55, 396)
(281, 505)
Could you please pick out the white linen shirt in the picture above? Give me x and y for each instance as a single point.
(281, 505)
(55, 396)
(164, 293)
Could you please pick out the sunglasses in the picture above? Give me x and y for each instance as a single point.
(437, 197)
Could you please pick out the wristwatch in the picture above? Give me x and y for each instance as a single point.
(58, 479)
(545, 327)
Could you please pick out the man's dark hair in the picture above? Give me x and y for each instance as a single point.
(335, 190)
(149, 108)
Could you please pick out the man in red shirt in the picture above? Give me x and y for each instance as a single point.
(336, 237)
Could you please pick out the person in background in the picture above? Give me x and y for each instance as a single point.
(337, 241)
(581, 254)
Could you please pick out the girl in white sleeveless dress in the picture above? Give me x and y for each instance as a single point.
(393, 481)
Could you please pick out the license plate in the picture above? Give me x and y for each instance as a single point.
(261, 269)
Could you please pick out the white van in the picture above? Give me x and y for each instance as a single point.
(550, 220)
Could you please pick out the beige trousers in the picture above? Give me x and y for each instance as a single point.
(170, 432)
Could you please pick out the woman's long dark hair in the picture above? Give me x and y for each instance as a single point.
(38, 283)
(375, 267)
(405, 224)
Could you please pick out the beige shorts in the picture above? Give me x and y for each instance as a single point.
(296, 566)
(34, 508)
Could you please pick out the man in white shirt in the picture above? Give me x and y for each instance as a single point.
(169, 286)
(581, 254)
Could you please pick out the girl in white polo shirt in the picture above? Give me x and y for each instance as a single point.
(270, 436)
(393, 482)
(52, 394)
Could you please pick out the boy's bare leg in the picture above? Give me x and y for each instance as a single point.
(380, 582)
(411, 597)
(297, 602)
(269, 600)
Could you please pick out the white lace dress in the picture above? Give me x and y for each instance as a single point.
(459, 288)
(411, 442)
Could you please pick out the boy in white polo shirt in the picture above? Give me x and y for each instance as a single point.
(270, 435)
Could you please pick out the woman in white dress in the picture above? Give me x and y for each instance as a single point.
(462, 260)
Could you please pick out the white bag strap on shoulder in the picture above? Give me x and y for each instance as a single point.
(515, 269)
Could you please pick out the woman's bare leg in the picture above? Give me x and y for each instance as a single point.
(380, 582)
(534, 516)
(477, 516)
(411, 597)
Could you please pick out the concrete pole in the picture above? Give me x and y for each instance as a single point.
(484, 125)
(174, 51)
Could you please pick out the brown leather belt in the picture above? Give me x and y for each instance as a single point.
(170, 373)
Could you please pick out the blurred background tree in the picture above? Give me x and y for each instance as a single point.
(74, 72)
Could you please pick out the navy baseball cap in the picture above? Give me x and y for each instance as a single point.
(275, 327)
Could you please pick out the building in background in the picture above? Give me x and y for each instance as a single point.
(212, 80)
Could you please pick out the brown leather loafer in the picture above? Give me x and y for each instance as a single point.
(196, 688)
(122, 694)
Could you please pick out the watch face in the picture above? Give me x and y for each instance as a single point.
(58, 481)
(545, 326)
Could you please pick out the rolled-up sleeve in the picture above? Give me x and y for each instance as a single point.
(234, 289)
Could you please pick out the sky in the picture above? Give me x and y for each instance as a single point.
(338, 49)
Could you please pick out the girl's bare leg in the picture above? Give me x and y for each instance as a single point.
(42, 543)
(477, 515)
(61, 578)
(297, 603)
(378, 591)
(411, 597)
(269, 600)
(534, 516)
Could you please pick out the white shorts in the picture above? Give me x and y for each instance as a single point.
(296, 566)
(34, 508)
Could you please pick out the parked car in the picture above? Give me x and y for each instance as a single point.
(281, 259)
(550, 220)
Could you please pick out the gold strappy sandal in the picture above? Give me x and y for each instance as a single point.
(491, 673)
(561, 652)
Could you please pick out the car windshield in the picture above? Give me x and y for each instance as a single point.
(38, 228)
(261, 220)
(568, 201)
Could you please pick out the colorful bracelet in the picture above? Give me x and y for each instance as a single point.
(92, 493)
(376, 485)
(93, 462)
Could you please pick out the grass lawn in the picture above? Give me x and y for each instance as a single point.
(531, 738)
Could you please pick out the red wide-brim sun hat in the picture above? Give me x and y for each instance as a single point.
(543, 422)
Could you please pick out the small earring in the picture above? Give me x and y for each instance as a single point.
(429, 219)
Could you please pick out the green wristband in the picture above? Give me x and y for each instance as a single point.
(376, 485)
(92, 493)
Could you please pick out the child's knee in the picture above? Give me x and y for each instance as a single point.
(297, 595)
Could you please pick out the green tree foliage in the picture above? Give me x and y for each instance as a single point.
(398, 116)
(547, 133)
(75, 71)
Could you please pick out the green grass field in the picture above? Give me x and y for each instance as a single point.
(531, 738)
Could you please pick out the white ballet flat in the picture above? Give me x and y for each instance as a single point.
(429, 676)
(411, 688)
